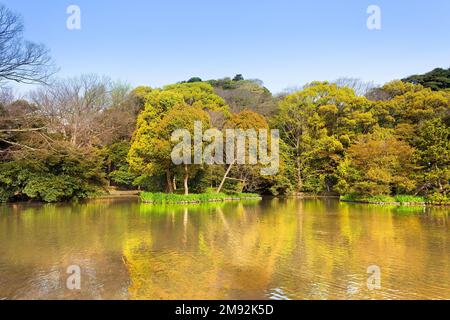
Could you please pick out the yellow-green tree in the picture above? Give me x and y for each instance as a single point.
(181, 117)
(150, 149)
(377, 164)
(316, 124)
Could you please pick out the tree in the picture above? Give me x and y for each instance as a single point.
(20, 60)
(361, 88)
(377, 164)
(238, 77)
(119, 118)
(391, 90)
(432, 142)
(201, 95)
(180, 117)
(20, 128)
(245, 174)
(139, 95)
(146, 147)
(151, 148)
(87, 110)
(316, 124)
(73, 107)
(246, 94)
(194, 79)
(404, 102)
(422, 104)
(437, 79)
(59, 174)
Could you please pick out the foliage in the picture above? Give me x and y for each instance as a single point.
(437, 79)
(70, 136)
(246, 177)
(115, 159)
(377, 164)
(174, 107)
(432, 142)
(316, 124)
(59, 176)
(245, 95)
(394, 140)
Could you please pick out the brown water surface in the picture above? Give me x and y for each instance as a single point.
(272, 249)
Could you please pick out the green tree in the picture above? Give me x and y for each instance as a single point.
(62, 174)
(150, 150)
(180, 117)
(316, 124)
(437, 79)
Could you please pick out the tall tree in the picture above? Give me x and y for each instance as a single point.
(150, 149)
(316, 124)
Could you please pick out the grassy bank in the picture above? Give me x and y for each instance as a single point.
(394, 200)
(170, 198)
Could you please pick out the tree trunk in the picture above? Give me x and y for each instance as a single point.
(186, 180)
(169, 187)
(299, 176)
(224, 178)
(174, 183)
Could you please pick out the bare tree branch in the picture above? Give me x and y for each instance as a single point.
(20, 60)
(18, 144)
(22, 130)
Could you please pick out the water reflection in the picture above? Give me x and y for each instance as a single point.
(273, 249)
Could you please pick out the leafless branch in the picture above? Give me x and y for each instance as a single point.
(21, 60)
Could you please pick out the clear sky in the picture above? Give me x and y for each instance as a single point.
(284, 43)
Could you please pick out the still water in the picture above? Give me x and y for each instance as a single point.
(270, 249)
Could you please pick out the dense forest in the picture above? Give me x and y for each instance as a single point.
(78, 137)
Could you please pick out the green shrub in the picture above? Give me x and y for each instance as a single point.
(59, 176)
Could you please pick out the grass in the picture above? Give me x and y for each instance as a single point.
(410, 199)
(170, 198)
(402, 199)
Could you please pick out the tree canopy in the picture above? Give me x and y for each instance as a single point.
(437, 79)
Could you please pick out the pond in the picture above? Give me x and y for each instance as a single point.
(269, 249)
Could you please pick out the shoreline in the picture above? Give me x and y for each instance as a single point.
(398, 204)
(136, 195)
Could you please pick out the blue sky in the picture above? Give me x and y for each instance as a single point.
(284, 43)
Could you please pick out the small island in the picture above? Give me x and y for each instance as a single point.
(171, 198)
(397, 200)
